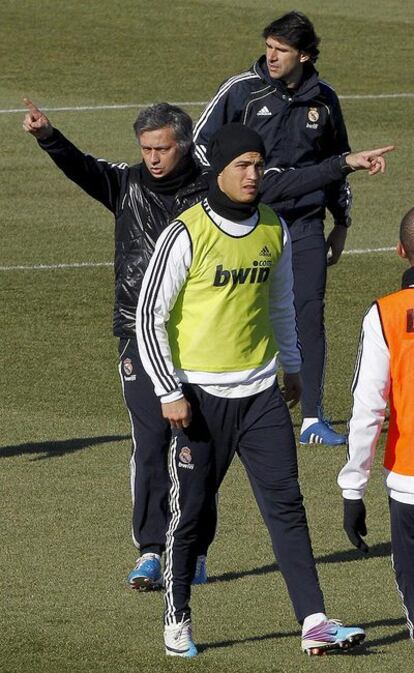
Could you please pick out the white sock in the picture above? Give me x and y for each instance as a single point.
(313, 620)
(307, 422)
(151, 555)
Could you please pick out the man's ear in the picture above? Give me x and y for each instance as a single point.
(303, 58)
(401, 250)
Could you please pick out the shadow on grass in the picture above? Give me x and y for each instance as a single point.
(275, 635)
(375, 551)
(386, 640)
(366, 648)
(54, 449)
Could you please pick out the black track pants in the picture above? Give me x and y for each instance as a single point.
(151, 436)
(259, 428)
(402, 542)
(309, 272)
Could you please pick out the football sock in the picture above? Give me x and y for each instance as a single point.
(307, 422)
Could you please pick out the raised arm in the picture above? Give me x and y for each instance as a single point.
(281, 184)
(35, 121)
(100, 179)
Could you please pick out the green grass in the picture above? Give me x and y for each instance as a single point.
(65, 546)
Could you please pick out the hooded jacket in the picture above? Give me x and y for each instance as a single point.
(300, 129)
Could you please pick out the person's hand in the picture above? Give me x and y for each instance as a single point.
(335, 243)
(292, 389)
(178, 413)
(35, 122)
(354, 523)
(372, 161)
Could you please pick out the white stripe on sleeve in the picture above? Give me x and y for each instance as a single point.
(163, 280)
(282, 309)
(370, 389)
(223, 90)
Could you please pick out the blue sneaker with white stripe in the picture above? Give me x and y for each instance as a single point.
(178, 640)
(146, 576)
(322, 433)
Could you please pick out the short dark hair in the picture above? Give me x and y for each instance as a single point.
(297, 31)
(407, 234)
(159, 116)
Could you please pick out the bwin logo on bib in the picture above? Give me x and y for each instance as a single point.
(255, 274)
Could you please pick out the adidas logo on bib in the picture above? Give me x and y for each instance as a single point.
(265, 252)
(264, 112)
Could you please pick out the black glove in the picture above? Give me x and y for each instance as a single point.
(354, 523)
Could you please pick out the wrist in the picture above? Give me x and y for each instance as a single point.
(47, 136)
(346, 168)
(344, 222)
(171, 397)
(353, 495)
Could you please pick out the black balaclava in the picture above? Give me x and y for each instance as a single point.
(229, 142)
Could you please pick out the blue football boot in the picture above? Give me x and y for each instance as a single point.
(331, 635)
(146, 576)
(322, 433)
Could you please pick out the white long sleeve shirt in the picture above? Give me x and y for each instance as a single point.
(370, 388)
(163, 280)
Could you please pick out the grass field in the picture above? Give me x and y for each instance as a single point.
(64, 451)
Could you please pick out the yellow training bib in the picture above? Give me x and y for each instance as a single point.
(220, 321)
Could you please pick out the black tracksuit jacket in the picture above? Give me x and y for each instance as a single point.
(301, 129)
(140, 216)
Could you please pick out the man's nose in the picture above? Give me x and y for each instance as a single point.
(154, 157)
(252, 173)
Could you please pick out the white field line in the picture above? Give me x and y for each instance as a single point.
(49, 267)
(93, 265)
(77, 265)
(126, 106)
(364, 251)
(83, 108)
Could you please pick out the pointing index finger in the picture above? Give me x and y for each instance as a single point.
(30, 105)
(383, 150)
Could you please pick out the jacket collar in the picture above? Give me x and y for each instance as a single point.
(408, 278)
(308, 86)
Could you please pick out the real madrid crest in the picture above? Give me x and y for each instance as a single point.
(128, 367)
(185, 455)
(313, 114)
